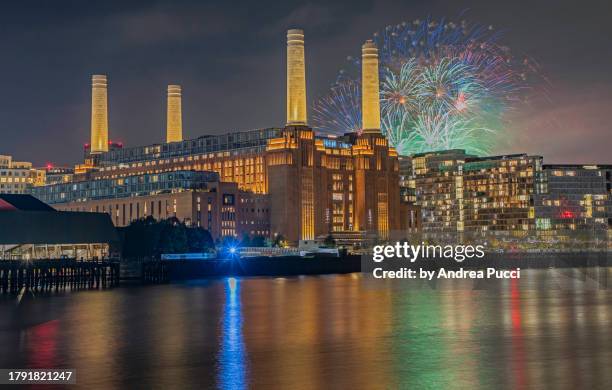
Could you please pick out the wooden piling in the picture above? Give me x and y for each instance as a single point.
(47, 275)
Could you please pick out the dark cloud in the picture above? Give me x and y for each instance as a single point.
(230, 59)
(573, 128)
(312, 15)
(161, 25)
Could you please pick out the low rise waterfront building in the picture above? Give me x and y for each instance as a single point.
(196, 198)
(17, 177)
(55, 175)
(30, 229)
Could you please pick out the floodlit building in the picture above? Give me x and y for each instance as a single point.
(458, 192)
(437, 183)
(499, 192)
(197, 198)
(18, 177)
(507, 194)
(410, 212)
(54, 175)
(406, 180)
(308, 185)
(236, 156)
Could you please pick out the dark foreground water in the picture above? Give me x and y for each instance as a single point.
(551, 329)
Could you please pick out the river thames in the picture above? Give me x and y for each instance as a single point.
(549, 329)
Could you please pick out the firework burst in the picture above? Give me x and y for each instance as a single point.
(399, 90)
(443, 85)
(340, 110)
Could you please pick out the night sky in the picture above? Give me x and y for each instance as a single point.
(230, 59)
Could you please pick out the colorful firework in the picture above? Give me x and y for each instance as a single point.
(443, 85)
(340, 110)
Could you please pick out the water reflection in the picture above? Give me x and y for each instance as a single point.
(517, 338)
(549, 329)
(232, 354)
(40, 344)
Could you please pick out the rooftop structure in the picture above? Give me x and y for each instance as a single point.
(174, 115)
(296, 78)
(370, 99)
(29, 229)
(99, 114)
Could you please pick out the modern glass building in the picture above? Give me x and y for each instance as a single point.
(575, 197)
(244, 142)
(512, 193)
(122, 187)
(499, 192)
(458, 192)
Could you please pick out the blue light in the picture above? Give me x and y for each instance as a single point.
(233, 368)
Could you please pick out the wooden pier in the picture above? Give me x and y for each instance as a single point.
(154, 272)
(47, 275)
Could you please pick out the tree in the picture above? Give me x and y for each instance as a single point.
(148, 238)
(246, 240)
(140, 238)
(279, 241)
(258, 241)
(199, 240)
(173, 238)
(329, 241)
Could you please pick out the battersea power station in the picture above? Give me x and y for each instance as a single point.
(276, 181)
